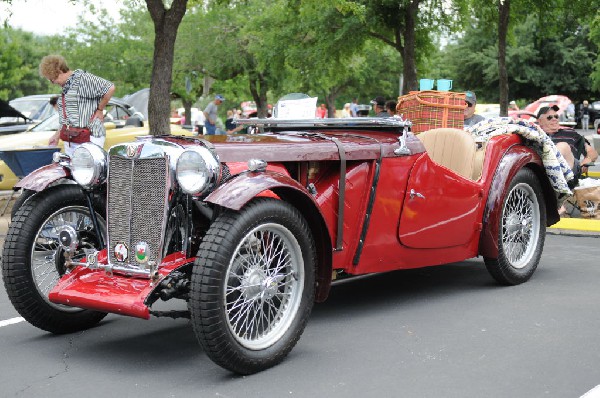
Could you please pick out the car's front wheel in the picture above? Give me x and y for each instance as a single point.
(522, 231)
(33, 260)
(253, 285)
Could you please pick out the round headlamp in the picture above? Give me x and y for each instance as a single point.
(88, 165)
(198, 171)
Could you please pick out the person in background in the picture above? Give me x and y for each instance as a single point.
(230, 126)
(512, 106)
(379, 107)
(471, 118)
(54, 102)
(82, 101)
(390, 107)
(210, 115)
(354, 107)
(584, 114)
(322, 111)
(571, 144)
(346, 112)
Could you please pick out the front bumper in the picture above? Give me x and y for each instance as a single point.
(98, 290)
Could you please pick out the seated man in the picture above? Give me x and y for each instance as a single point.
(471, 118)
(379, 107)
(571, 144)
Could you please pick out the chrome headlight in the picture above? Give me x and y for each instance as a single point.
(198, 170)
(88, 165)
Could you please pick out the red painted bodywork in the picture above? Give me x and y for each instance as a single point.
(43, 177)
(421, 214)
(97, 290)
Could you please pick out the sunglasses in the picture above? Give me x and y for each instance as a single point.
(549, 117)
(469, 105)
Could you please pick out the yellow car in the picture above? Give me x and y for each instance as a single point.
(38, 136)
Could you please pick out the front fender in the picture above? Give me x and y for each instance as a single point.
(513, 160)
(235, 193)
(43, 177)
(238, 191)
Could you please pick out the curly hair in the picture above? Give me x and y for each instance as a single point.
(53, 65)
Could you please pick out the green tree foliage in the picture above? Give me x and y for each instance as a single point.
(537, 64)
(407, 26)
(332, 49)
(20, 54)
(118, 51)
(594, 37)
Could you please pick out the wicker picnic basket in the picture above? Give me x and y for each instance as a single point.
(432, 109)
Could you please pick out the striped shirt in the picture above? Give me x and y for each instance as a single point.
(82, 93)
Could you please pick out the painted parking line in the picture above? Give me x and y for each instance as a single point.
(593, 393)
(11, 321)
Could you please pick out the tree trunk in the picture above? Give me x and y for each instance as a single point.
(503, 19)
(330, 98)
(409, 68)
(259, 88)
(166, 22)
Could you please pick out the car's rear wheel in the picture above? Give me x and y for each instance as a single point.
(253, 285)
(522, 231)
(33, 261)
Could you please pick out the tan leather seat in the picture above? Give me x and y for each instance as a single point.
(452, 148)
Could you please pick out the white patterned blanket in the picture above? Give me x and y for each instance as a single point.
(557, 169)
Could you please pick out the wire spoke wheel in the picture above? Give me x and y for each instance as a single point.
(253, 285)
(47, 256)
(264, 286)
(33, 261)
(521, 231)
(520, 225)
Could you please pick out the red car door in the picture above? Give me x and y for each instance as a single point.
(441, 209)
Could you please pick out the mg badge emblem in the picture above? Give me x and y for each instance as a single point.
(131, 150)
(121, 252)
(141, 252)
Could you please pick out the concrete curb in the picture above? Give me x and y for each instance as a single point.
(576, 227)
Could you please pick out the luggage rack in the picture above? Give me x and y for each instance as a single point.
(359, 122)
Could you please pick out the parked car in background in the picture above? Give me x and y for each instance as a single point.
(566, 109)
(11, 120)
(249, 109)
(121, 122)
(248, 231)
(362, 110)
(488, 111)
(35, 107)
(594, 113)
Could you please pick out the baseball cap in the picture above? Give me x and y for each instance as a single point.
(544, 109)
(219, 97)
(470, 97)
(379, 100)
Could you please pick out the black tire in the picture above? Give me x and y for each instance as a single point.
(232, 285)
(23, 197)
(522, 231)
(31, 241)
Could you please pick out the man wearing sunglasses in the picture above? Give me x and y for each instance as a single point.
(471, 118)
(571, 144)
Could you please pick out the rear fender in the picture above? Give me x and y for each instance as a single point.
(514, 159)
(238, 191)
(43, 177)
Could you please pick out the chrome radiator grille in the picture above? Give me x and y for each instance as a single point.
(137, 200)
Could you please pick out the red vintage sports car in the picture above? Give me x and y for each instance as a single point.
(566, 109)
(250, 230)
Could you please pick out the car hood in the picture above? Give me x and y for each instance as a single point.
(8, 111)
(27, 139)
(307, 146)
